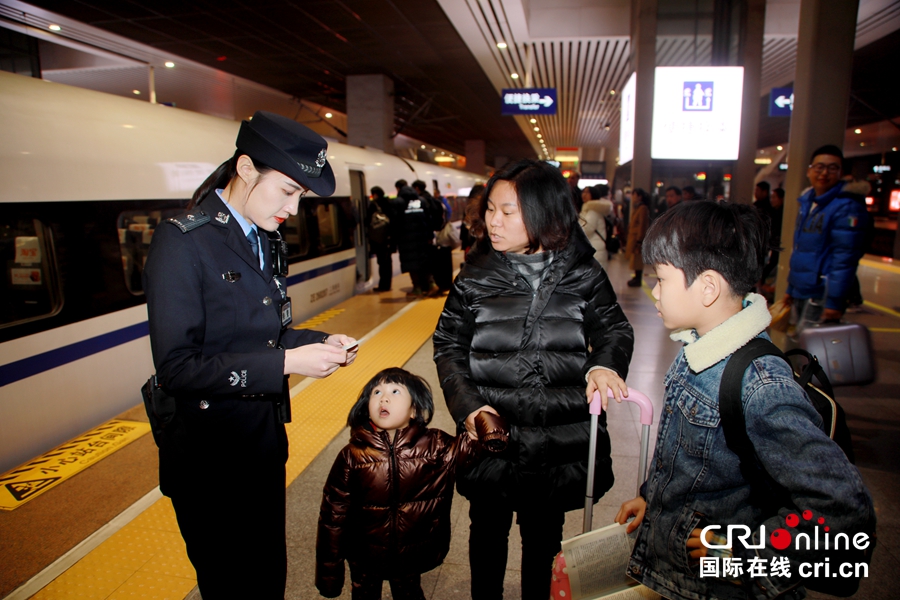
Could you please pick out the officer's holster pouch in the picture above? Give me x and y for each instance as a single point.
(160, 408)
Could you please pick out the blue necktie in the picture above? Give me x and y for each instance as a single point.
(253, 238)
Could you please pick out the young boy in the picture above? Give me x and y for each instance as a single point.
(708, 258)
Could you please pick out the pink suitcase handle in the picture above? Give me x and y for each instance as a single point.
(635, 396)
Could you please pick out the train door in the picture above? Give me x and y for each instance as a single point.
(360, 206)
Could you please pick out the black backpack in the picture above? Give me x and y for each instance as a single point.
(765, 492)
(612, 242)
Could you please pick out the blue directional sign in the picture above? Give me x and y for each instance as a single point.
(529, 101)
(781, 102)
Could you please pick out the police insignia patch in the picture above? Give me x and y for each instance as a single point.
(223, 218)
(320, 159)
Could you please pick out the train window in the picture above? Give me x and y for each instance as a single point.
(329, 226)
(136, 229)
(30, 290)
(295, 234)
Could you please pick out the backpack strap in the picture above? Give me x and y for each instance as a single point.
(813, 369)
(734, 425)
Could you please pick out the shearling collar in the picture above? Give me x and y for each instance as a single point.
(703, 352)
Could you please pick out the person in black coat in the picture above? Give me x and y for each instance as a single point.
(381, 241)
(219, 315)
(530, 330)
(413, 230)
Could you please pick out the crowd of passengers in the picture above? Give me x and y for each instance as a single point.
(531, 328)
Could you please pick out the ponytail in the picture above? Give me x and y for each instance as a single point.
(222, 176)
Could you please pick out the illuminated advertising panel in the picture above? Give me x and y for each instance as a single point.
(697, 113)
(626, 123)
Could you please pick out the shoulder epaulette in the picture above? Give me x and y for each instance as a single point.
(189, 221)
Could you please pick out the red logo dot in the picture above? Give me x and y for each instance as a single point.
(792, 520)
(827, 528)
(807, 515)
(821, 520)
(780, 539)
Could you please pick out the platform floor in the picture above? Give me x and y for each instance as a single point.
(36, 540)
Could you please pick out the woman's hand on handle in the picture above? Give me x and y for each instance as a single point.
(634, 507)
(603, 379)
(470, 420)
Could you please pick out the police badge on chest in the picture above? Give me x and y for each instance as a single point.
(285, 307)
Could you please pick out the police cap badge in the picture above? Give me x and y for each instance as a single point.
(288, 147)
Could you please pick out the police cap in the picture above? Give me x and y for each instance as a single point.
(288, 147)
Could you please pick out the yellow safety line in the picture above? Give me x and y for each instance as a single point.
(883, 309)
(147, 557)
(885, 329)
(319, 319)
(649, 291)
(877, 264)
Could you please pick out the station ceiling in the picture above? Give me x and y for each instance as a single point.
(447, 69)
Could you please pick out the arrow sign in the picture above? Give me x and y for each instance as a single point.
(781, 102)
(528, 101)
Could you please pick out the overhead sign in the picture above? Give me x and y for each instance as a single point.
(529, 101)
(781, 102)
(626, 122)
(697, 113)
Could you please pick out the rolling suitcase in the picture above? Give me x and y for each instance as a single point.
(843, 349)
(593, 564)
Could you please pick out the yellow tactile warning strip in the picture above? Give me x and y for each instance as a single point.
(885, 264)
(147, 558)
(883, 309)
(319, 319)
(32, 479)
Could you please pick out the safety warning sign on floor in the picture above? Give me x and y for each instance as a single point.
(36, 477)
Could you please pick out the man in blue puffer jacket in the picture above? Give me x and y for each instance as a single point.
(828, 239)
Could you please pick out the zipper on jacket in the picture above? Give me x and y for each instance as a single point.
(395, 492)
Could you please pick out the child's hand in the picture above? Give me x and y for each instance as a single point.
(470, 421)
(634, 507)
(696, 547)
(603, 379)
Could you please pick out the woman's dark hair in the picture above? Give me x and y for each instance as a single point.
(730, 239)
(222, 176)
(544, 199)
(377, 192)
(419, 392)
(642, 196)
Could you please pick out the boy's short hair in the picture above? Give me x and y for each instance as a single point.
(764, 185)
(829, 149)
(730, 239)
(419, 392)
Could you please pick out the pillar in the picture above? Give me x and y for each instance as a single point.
(475, 156)
(643, 61)
(753, 27)
(370, 111)
(821, 97)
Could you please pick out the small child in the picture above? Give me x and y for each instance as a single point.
(708, 258)
(386, 503)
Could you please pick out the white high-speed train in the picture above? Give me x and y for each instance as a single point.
(86, 177)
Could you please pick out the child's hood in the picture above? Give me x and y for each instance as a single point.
(722, 341)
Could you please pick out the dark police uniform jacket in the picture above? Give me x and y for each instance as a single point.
(214, 331)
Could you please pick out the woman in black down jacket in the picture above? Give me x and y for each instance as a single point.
(530, 330)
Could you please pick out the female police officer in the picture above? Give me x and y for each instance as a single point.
(218, 312)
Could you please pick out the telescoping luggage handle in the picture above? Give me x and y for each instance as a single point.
(646, 420)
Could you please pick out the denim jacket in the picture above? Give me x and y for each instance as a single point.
(695, 480)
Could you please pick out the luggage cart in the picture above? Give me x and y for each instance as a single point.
(609, 540)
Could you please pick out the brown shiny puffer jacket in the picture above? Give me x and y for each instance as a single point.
(386, 503)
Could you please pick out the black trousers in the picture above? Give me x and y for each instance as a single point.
(236, 544)
(541, 531)
(385, 265)
(366, 586)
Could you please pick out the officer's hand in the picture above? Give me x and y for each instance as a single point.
(470, 420)
(314, 360)
(636, 507)
(344, 342)
(603, 379)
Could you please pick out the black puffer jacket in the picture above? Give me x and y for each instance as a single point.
(526, 354)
